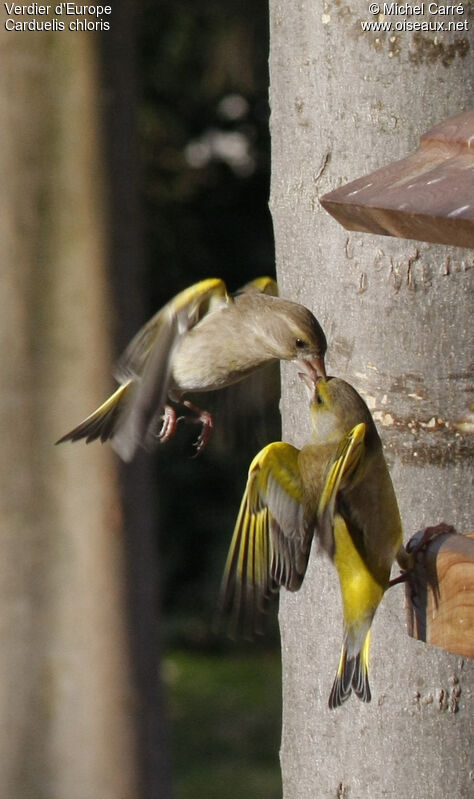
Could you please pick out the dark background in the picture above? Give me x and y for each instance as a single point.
(187, 149)
(204, 160)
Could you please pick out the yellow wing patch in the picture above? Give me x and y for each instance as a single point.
(343, 468)
(269, 528)
(262, 285)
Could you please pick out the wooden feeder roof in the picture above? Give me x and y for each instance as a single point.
(428, 196)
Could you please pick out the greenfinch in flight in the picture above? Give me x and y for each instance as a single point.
(336, 489)
(202, 340)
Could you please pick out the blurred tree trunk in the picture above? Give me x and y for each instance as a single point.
(398, 318)
(137, 479)
(66, 700)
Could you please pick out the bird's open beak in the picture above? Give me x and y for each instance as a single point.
(314, 367)
(314, 370)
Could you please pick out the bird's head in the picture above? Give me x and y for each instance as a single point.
(295, 334)
(335, 408)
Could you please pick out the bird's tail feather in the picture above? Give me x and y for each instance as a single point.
(102, 423)
(352, 675)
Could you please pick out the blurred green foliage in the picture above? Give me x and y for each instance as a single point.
(226, 719)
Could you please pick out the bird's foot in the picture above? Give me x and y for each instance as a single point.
(406, 554)
(170, 422)
(423, 537)
(207, 422)
(402, 578)
(169, 425)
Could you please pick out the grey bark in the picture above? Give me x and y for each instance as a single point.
(65, 690)
(398, 319)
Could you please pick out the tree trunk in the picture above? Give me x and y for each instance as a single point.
(397, 317)
(65, 699)
(137, 479)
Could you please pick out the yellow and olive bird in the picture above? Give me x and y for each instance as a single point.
(202, 340)
(336, 489)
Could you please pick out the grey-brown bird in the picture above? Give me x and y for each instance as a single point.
(202, 340)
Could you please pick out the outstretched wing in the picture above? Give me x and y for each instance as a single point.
(189, 306)
(149, 357)
(271, 543)
(341, 472)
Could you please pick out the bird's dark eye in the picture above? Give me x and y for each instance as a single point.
(300, 344)
(318, 398)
